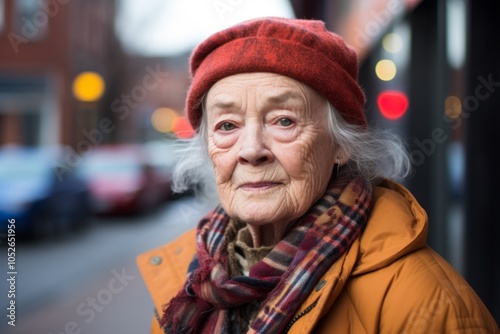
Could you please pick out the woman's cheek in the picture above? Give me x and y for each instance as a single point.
(296, 158)
(223, 164)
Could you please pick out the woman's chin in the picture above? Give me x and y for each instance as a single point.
(261, 212)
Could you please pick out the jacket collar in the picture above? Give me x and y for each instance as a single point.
(397, 225)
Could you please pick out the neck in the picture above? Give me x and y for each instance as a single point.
(269, 234)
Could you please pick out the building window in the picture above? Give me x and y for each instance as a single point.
(31, 21)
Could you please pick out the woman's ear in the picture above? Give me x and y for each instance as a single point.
(341, 157)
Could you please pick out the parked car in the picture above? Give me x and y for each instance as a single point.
(122, 181)
(163, 156)
(42, 204)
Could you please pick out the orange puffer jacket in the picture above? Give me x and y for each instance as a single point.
(389, 281)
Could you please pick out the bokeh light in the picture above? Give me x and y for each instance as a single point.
(392, 104)
(392, 43)
(182, 128)
(452, 106)
(385, 70)
(88, 86)
(162, 119)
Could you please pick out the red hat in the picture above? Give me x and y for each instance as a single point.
(300, 49)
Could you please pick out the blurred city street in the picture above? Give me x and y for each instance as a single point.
(90, 282)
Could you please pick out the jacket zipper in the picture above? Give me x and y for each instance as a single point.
(300, 315)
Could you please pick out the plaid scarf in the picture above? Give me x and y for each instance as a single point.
(282, 280)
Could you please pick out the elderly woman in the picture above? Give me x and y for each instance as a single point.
(310, 235)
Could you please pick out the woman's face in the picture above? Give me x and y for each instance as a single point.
(269, 144)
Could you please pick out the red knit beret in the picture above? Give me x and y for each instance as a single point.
(300, 49)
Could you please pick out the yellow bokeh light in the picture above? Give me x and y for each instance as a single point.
(392, 43)
(385, 70)
(452, 107)
(88, 86)
(162, 119)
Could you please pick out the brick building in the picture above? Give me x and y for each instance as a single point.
(43, 46)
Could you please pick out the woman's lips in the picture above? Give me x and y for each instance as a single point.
(255, 186)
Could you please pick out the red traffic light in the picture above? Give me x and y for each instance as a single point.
(392, 104)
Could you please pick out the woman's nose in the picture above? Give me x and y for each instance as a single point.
(254, 150)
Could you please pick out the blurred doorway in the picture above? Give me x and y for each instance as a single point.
(28, 114)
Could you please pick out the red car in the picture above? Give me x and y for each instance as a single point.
(122, 181)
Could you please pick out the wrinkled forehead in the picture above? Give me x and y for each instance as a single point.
(269, 87)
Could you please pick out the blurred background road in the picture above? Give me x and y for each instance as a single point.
(56, 276)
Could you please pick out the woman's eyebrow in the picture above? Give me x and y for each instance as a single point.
(223, 106)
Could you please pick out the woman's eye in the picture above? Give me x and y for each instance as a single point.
(226, 126)
(285, 122)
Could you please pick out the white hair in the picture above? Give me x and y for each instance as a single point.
(193, 170)
(373, 154)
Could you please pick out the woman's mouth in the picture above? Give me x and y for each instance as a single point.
(256, 186)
